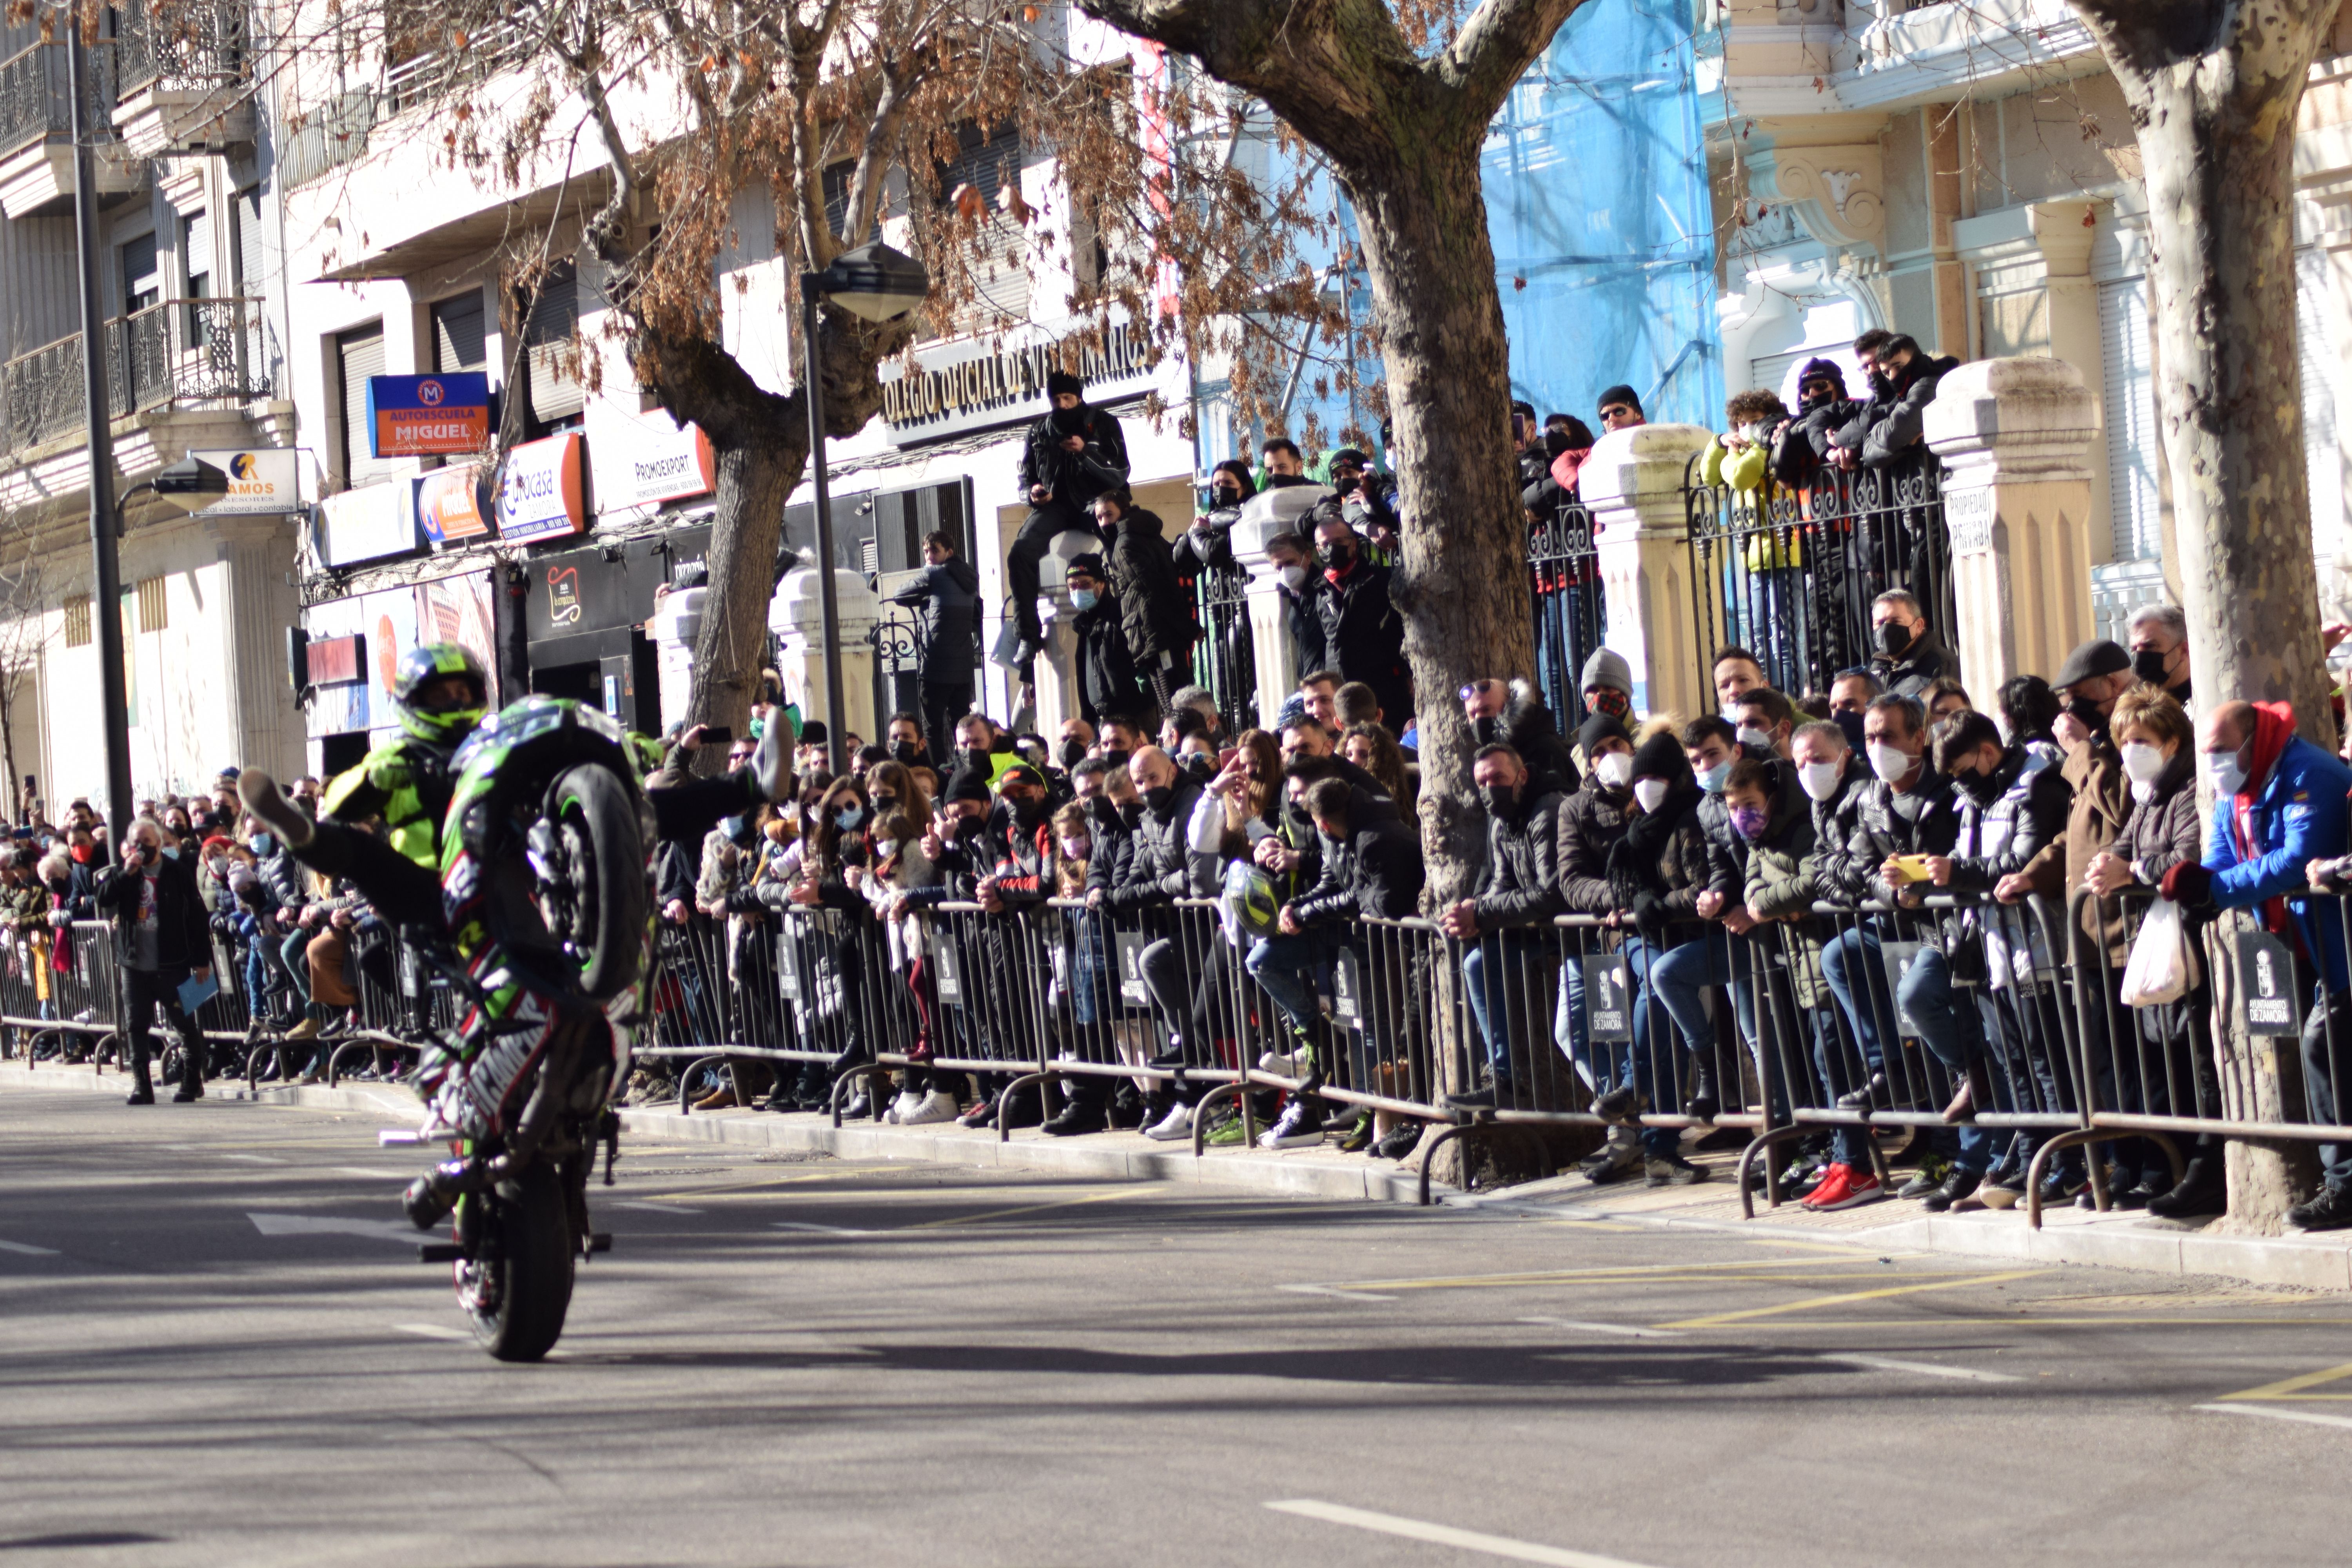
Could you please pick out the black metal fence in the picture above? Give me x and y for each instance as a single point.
(1225, 661)
(1790, 573)
(1571, 615)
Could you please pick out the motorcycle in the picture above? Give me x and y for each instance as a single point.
(547, 949)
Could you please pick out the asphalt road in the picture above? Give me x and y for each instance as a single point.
(217, 1349)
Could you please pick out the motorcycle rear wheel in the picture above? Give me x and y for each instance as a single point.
(529, 1287)
(591, 807)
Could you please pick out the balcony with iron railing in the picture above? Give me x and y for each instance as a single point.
(180, 356)
(181, 77)
(37, 129)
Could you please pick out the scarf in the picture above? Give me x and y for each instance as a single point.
(2273, 728)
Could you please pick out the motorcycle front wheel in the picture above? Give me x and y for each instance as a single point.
(593, 812)
(519, 1292)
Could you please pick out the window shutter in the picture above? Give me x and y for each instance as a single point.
(141, 285)
(2315, 354)
(547, 337)
(2130, 393)
(458, 342)
(361, 354)
(196, 254)
(251, 272)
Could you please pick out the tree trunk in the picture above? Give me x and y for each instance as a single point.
(1462, 586)
(754, 481)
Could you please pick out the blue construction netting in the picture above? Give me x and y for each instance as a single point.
(1597, 200)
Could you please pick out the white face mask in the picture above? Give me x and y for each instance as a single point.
(1887, 762)
(1651, 792)
(2143, 761)
(1075, 845)
(1615, 770)
(1293, 578)
(1820, 779)
(1750, 735)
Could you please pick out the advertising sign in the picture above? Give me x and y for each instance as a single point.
(539, 492)
(263, 481)
(657, 460)
(368, 523)
(449, 504)
(428, 415)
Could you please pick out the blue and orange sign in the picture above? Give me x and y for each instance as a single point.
(428, 415)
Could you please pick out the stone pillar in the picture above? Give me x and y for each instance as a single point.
(256, 556)
(2015, 436)
(1633, 484)
(1268, 514)
(677, 624)
(2064, 232)
(1057, 688)
(793, 615)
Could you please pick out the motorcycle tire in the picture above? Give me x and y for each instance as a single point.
(594, 804)
(533, 1289)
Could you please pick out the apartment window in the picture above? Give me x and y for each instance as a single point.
(982, 170)
(2132, 494)
(460, 341)
(548, 337)
(359, 354)
(196, 265)
(154, 612)
(245, 219)
(2315, 350)
(143, 285)
(78, 628)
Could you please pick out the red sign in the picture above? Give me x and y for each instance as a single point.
(335, 659)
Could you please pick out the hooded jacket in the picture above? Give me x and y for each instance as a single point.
(949, 598)
(1727, 851)
(1801, 448)
(1107, 681)
(1075, 478)
(1837, 879)
(1363, 636)
(1657, 870)
(1781, 886)
(2259, 840)
(1154, 611)
(1164, 865)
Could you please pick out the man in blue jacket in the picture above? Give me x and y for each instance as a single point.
(2280, 804)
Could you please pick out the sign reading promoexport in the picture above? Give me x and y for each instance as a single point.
(653, 460)
(941, 396)
(539, 490)
(428, 415)
(263, 481)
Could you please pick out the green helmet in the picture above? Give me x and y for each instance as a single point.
(421, 667)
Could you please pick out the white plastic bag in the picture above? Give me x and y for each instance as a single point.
(2161, 968)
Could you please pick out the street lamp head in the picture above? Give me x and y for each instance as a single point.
(191, 483)
(873, 282)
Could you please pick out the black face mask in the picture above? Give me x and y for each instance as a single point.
(1157, 798)
(977, 759)
(1027, 810)
(1130, 812)
(906, 753)
(2148, 664)
(1073, 753)
(1200, 765)
(1104, 810)
(2087, 712)
(1499, 798)
(1335, 557)
(1486, 730)
(1224, 496)
(1981, 787)
(1116, 760)
(1893, 639)
(1070, 421)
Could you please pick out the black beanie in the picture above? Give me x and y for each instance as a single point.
(1660, 757)
(1599, 728)
(1061, 380)
(967, 784)
(1622, 393)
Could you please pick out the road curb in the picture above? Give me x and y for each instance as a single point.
(2068, 1235)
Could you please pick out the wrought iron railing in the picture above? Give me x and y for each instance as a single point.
(1571, 619)
(182, 44)
(34, 102)
(180, 353)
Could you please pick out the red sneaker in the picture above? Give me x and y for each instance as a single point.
(1832, 1192)
(1863, 1188)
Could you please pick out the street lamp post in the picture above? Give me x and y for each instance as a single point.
(877, 284)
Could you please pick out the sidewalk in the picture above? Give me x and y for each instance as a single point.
(2117, 1240)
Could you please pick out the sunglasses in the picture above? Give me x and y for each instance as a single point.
(1616, 412)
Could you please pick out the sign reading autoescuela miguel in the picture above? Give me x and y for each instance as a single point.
(938, 399)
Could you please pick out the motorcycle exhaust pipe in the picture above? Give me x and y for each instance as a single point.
(430, 1197)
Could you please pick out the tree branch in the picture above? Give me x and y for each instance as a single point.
(1496, 46)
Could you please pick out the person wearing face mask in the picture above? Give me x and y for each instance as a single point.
(1105, 677)
(946, 593)
(1769, 584)
(1505, 923)
(2008, 812)
(1736, 674)
(2159, 638)
(1851, 692)
(1906, 656)
(1164, 867)
(2026, 708)
(903, 738)
(2279, 819)
(1822, 408)
(1656, 872)
(1075, 744)
(2093, 676)
(1764, 721)
(2163, 829)
(1607, 683)
(1072, 455)
(1300, 588)
(1591, 821)
(1155, 612)
(1362, 632)
(161, 940)
(1208, 545)
(982, 745)
(1513, 714)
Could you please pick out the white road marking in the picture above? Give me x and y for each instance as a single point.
(27, 1250)
(1329, 1290)
(1446, 1535)
(1628, 1330)
(256, 1159)
(651, 1207)
(432, 1331)
(269, 1224)
(1924, 1368)
(370, 1173)
(823, 1229)
(2312, 1417)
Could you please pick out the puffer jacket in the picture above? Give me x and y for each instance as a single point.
(1521, 882)
(1374, 873)
(1836, 878)
(1658, 869)
(1165, 865)
(1780, 888)
(1996, 840)
(1804, 442)
(1591, 821)
(2166, 828)
(1727, 852)
(1888, 430)
(1880, 831)
(1154, 612)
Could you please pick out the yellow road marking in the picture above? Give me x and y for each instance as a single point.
(1569, 1276)
(1026, 1208)
(1809, 1303)
(2293, 1387)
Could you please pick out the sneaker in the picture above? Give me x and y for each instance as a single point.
(1225, 1132)
(1861, 1187)
(1621, 1106)
(1479, 1099)
(2061, 1186)
(2202, 1191)
(264, 800)
(771, 763)
(982, 1113)
(907, 1099)
(1671, 1171)
(1933, 1169)
(2329, 1209)
(1358, 1138)
(1398, 1141)
(1835, 1183)
(1612, 1160)
(2003, 1192)
(1301, 1126)
(1951, 1190)
(1176, 1123)
(1078, 1114)
(1292, 1064)
(936, 1105)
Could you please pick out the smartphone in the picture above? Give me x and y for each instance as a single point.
(717, 735)
(1911, 868)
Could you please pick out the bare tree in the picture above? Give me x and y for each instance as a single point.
(1398, 100)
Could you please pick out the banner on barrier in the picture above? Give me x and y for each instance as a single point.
(2266, 985)
(1348, 989)
(1608, 1005)
(1129, 945)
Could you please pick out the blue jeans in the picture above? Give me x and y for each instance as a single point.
(1286, 968)
(1618, 1064)
(1857, 978)
(1954, 1030)
(1492, 967)
(1683, 976)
